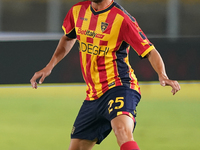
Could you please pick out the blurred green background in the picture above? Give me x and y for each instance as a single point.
(42, 119)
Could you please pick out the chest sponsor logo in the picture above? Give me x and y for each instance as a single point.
(94, 49)
(90, 33)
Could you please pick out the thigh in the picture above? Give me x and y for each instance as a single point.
(89, 124)
(85, 121)
(81, 144)
(122, 101)
(123, 127)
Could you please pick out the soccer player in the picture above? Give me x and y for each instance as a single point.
(105, 32)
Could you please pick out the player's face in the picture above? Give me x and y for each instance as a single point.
(96, 1)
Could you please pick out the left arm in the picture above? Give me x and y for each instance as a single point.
(157, 63)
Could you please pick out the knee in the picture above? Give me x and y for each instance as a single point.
(80, 144)
(123, 127)
(121, 131)
(123, 134)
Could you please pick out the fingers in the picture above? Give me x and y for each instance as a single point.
(175, 87)
(35, 77)
(174, 84)
(42, 74)
(42, 79)
(33, 83)
(33, 80)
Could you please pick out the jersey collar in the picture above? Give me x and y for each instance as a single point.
(95, 12)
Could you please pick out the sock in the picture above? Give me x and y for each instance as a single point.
(131, 145)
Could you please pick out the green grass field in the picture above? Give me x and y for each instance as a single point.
(42, 119)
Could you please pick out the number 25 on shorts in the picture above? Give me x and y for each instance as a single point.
(117, 100)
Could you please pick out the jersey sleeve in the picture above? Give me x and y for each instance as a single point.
(69, 25)
(136, 38)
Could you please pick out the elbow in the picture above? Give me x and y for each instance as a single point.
(152, 53)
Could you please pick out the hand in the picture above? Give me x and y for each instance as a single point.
(42, 74)
(167, 82)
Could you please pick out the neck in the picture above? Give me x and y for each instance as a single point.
(101, 5)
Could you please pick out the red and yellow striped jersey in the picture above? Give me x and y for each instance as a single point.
(105, 37)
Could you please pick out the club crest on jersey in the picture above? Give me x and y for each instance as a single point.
(104, 26)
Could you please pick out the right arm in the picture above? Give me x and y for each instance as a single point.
(64, 46)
